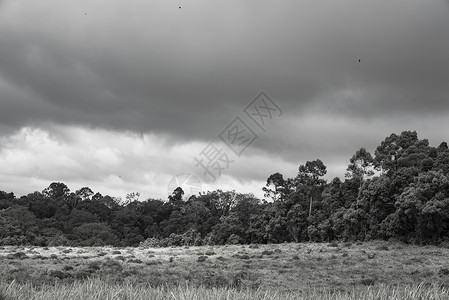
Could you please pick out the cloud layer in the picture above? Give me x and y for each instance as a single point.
(83, 79)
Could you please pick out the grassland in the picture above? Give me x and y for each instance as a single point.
(287, 271)
(98, 290)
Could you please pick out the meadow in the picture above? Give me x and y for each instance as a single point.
(369, 270)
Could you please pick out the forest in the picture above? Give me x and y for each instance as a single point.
(401, 192)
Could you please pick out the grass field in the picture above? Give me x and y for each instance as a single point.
(287, 271)
(98, 290)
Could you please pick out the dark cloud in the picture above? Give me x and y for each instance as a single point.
(151, 67)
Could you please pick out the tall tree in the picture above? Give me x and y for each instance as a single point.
(360, 166)
(309, 179)
(131, 197)
(422, 209)
(387, 155)
(176, 197)
(275, 187)
(56, 190)
(85, 193)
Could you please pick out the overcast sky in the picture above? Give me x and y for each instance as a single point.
(121, 95)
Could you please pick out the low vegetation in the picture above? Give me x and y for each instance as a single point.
(96, 289)
(285, 267)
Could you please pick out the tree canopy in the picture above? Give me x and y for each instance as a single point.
(401, 192)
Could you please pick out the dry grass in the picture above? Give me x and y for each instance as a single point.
(96, 290)
(284, 268)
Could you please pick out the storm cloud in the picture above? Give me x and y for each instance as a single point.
(346, 74)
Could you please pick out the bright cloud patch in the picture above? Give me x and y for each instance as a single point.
(115, 163)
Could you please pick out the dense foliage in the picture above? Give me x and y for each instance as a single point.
(401, 192)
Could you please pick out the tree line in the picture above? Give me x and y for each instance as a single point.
(401, 192)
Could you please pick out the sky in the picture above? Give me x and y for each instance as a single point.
(130, 96)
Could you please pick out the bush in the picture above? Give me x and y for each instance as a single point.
(68, 268)
(95, 234)
(57, 273)
(153, 262)
(313, 233)
(234, 239)
(151, 243)
(444, 271)
(94, 265)
(14, 240)
(202, 258)
(40, 241)
(82, 274)
(17, 255)
(58, 240)
(189, 238)
(368, 281)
